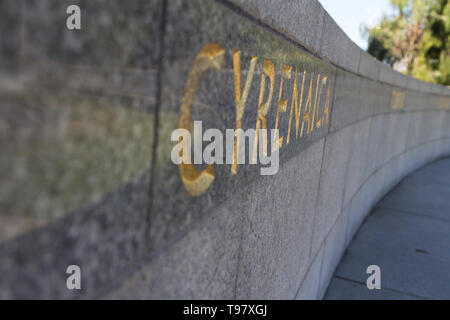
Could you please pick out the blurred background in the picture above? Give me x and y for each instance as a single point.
(412, 36)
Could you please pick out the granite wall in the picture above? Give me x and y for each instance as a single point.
(86, 175)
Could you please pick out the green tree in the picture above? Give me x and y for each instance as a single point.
(415, 39)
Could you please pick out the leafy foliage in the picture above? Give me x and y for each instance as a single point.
(415, 39)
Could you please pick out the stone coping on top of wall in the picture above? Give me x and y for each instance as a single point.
(307, 23)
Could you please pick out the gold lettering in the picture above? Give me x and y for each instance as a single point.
(319, 120)
(263, 107)
(326, 111)
(282, 103)
(444, 103)
(315, 103)
(240, 99)
(296, 105)
(210, 57)
(307, 114)
(397, 99)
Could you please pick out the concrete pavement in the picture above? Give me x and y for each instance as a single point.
(408, 236)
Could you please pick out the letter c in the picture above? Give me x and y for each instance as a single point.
(210, 56)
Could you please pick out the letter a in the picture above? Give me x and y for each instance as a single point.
(374, 281)
(74, 20)
(74, 280)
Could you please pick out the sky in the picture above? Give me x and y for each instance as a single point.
(350, 14)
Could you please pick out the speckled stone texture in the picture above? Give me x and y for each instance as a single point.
(77, 125)
(86, 175)
(215, 104)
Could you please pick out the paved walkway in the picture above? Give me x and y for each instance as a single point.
(408, 236)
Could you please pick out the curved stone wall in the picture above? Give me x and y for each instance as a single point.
(86, 123)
